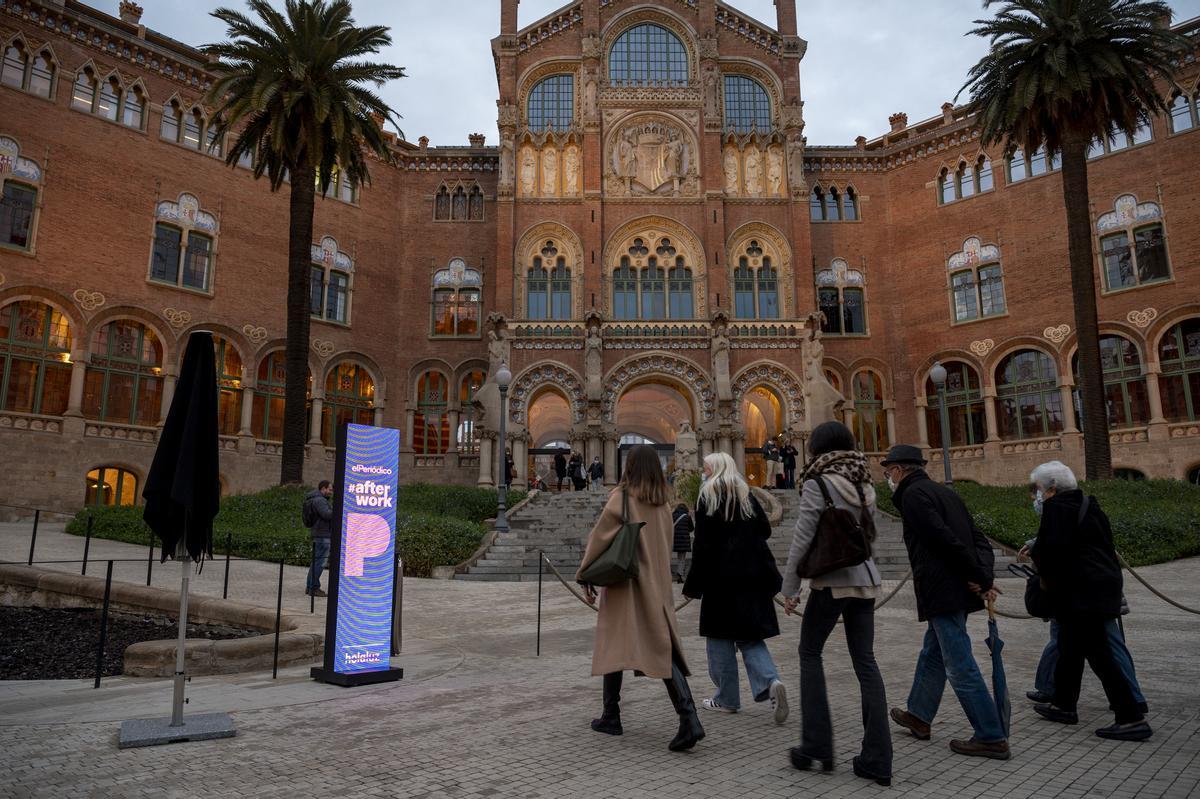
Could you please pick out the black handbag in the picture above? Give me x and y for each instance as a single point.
(619, 562)
(841, 540)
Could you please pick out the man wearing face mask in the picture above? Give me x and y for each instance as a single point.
(952, 563)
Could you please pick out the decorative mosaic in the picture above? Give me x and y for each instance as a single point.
(88, 300)
(782, 381)
(176, 318)
(684, 371)
(1057, 334)
(840, 274)
(1127, 211)
(973, 252)
(525, 386)
(323, 348)
(327, 254)
(983, 347)
(186, 211)
(457, 273)
(13, 163)
(1142, 318)
(256, 335)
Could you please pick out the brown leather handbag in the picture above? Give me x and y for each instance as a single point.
(841, 540)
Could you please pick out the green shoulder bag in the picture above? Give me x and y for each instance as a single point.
(619, 562)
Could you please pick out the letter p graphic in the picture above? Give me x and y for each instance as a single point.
(367, 535)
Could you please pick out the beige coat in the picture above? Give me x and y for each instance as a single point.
(635, 628)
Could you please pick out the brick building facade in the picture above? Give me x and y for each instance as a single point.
(648, 244)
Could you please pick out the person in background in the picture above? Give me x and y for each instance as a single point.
(596, 474)
(735, 578)
(560, 468)
(770, 453)
(575, 471)
(318, 518)
(635, 626)
(510, 468)
(683, 539)
(952, 564)
(1079, 570)
(847, 594)
(788, 454)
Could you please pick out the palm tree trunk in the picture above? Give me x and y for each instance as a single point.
(295, 396)
(1096, 450)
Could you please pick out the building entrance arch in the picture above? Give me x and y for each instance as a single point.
(762, 417)
(650, 412)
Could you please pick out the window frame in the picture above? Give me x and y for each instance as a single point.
(971, 400)
(359, 407)
(839, 279)
(1119, 377)
(669, 58)
(1045, 387)
(455, 288)
(269, 393)
(1191, 101)
(136, 369)
(746, 103)
(1130, 230)
(45, 354)
(876, 403)
(29, 56)
(427, 406)
(122, 474)
(327, 259)
(556, 112)
(187, 232)
(1182, 367)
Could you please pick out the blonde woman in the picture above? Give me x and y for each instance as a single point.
(734, 576)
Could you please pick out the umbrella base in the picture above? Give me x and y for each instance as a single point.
(357, 678)
(152, 732)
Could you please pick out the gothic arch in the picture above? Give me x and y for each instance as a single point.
(662, 17)
(530, 244)
(564, 379)
(654, 227)
(166, 335)
(80, 341)
(680, 372)
(775, 245)
(751, 68)
(534, 75)
(944, 356)
(781, 381)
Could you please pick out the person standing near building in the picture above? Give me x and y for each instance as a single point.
(735, 578)
(575, 471)
(952, 563)
(560, 468)
(789, 453)
(510, 468)
(596, 473)
(318, 518)
(770, 452)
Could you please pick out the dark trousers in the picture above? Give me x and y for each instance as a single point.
(613, 680)
(816, 739)
(1084, 637)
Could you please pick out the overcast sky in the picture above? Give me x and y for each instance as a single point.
(866, 59)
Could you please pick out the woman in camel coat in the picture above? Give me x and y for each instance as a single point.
(635, 626)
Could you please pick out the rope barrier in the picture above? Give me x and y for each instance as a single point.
(1152, 589)
(904, 580)
(686, 600)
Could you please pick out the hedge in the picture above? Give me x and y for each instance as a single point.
(1153, 521)
(435, 525)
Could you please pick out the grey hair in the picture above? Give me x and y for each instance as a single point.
(1054, 475)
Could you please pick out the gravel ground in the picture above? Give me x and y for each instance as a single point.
(60, 644)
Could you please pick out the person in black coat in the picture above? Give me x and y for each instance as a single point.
(575, 471)
(683, 539)
(1080, 572)
(560, 468)
(596, 474)
(735, 578)
(789, 454)
(952, 565)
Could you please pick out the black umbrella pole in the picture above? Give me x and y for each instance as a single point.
(278, 616)
(87, 544)
(33, 538)
(103, 626)
(150, 559)
(228, 547)
(180, 675)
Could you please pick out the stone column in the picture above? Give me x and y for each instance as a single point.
(848, 416)
(723, 444)
(521, 460)
(922, 424)
(485, 461)
(738, 442)
(706, 447)
(891, 424)
(378, 420)
(314, 437)
(989, 413)
(610, 460)
(75, 397)
(1070, 425)
(1157, 428)
(453, 417)
(409, 427)
(168, 393)
(247, 412)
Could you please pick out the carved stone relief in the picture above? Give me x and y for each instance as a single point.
(775, 187)
(651, 155)
(729, 164)
(571, 171)
(752, 164)
(549, 172)
(528, 171)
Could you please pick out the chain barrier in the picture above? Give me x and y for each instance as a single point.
(686, 600)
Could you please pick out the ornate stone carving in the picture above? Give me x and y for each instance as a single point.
(651, 154)
(323, 348)
(1141, 319)
(175, 318)
(687, 448)
(549, 172)
(531, 244)
(752, 164)
(528, 171)
(821, 400)
(1057, 334)
(792, 115)
(591, 88)
(685, 372)
(785, 384)
(795, 165)
(591, 46)
(712, 93)
(508, 116)
(487, 399)
(571, 171)
(651, 229)
(719, 352)
(593, 360)
(775, 187)
(525, 386)
(982, 347)
(88, 300)
(506, 165)
(255, 335)
(729, 164)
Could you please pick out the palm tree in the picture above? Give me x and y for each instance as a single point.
(296, 88)
(1060, 74)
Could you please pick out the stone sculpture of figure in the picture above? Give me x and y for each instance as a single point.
(822, 401)
(593, 364)
(549, 172)
(589, 95)
(487, 399)
(673, 161)
(506, 164)
(720, 363)
(528, 171)
(775, 171)
(571, 170)
(627, 157)
(795, 162)
(687, 449)
(730, 167)
(753, 171)
(712, 106)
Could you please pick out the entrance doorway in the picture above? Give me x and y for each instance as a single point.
(549, 427)
(762, 419)
(650, 413)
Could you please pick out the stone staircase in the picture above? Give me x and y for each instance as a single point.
(558, 524)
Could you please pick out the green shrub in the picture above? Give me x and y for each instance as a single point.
(461, 502)
(1152, 520)
(425, 541)
(687, 487)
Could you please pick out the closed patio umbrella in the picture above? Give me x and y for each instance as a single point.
(999, 680)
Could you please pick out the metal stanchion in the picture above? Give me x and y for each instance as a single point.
(541, 559)
(103, 625)
(33, 538)
(228, 547)
(312, 558)
(397, 607)
(87, 544)
(150, 559)
(278, 616)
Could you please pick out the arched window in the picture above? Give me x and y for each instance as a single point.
(747, 106)
(625, 291)
(184, 238)
(109, 102)
(1179, 382)
(18, 198)
(431, 426)
(83, 95)
(755, 284)
(976, 282)
(172, 121)
(743, 290)
(441, 204)
(1184, 113)
(965, 178)
(349, 399)
(964, 406)
(41, 75)
(123, 382)
(652, 284)
(537, 291)
(653, 289)
(768, 290)
(841, 297)
(834, 379)
(647, 55)
(1126, 264)
(869, 420)
(548, 284)
(133, 112)
(552, 103)
(329, 282)
(946, 187)
(229, 383)
(457, 296)
(110, 485)
(1039, 164)
(476, 201)
(12, 72)
(1015, 164)
(850, 205)
(458, 204)
(680, 290)
(467, 436)
(1124, 384)
(983, 175)
(35, 348)
(193, 129)
(816, 205)
(560, 290)
(833, 210)
(34, 75)
(266, 415)
(1118, 140)
(1028, 400)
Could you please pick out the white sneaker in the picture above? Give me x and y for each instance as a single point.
(712, 704)
(779, 705)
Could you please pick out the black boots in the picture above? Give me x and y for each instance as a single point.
(610, 721)
(690, 729)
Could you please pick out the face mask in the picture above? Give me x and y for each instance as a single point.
(1038, 501)
(891, 483)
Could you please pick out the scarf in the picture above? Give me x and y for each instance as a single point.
(850, 464)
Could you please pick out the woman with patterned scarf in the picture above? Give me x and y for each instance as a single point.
(848, 594)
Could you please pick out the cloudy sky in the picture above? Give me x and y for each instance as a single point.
(866, 59)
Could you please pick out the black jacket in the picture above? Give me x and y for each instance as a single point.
(560, 464)
(683, 530)
(317, 504)
(596, 470)
(1077, 560)
(734, 575)
(945, 548)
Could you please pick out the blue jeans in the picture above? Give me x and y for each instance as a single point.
(947, 655)
(319, 562)
(1044, 681)
(723, 669)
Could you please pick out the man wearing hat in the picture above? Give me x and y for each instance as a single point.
(952, 564)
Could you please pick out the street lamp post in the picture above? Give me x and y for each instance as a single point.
(503, 380)
(938, 375)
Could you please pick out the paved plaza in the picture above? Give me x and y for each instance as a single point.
(478, 714)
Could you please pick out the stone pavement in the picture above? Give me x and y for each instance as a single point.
(479, 715)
